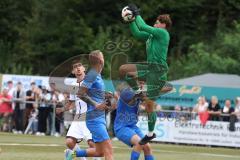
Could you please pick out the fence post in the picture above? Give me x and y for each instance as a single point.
(53, 119)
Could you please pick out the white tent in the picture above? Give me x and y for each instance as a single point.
(211, 80)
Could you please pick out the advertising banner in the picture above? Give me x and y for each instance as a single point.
(192, 132)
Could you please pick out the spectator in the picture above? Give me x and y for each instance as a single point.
(214, 109)
(177, 114)
(32, 122)
(30, 96)
(227, 109)
(201, 109)
(10, 88)
(201, 106)
(237, 108)
(32, 111)
(234, 116)
(58, 100)
(158, 107)
(43, 111)
(50, 115)
(19, 107)
(187, 113)
(178, 108)
(5, 110)
(204, 101)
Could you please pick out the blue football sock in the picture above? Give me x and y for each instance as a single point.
(149, 157)
(81, 153)
(135, 155)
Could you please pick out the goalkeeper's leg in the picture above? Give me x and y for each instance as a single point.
(150, 106)
(155, 88)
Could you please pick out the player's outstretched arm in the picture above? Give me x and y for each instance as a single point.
(137, 33)
(140, 23)
(146, 28)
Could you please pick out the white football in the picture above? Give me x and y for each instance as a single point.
(127, 15)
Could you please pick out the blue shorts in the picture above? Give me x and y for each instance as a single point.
(98, 131)
(125, 134)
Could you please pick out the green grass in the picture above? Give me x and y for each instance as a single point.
(27, 147)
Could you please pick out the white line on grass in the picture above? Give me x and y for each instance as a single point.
(193, 153)
(123, 148)
(34, 145)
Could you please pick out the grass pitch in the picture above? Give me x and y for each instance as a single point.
(28, 147)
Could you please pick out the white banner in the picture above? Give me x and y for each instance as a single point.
(44, 81)
(26, 80)
(192, 132)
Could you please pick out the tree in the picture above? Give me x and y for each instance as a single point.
(37, 35)
(219, 56)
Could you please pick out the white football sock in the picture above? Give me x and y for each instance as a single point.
(150, 134)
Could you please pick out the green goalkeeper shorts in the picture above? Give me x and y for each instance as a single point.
(155, 77)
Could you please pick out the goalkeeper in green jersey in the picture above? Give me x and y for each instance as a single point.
(154, 72)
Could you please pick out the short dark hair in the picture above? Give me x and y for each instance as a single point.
(9, 82)
(33, 83)
(76, 61)
(165, 18)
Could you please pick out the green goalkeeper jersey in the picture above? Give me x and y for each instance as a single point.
(157, 40)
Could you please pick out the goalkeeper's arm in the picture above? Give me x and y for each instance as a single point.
(137, 33)
(141, 25)
(146, 28)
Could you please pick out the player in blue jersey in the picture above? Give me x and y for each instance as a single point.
(78, 130)
(125, 126)
(92, 92)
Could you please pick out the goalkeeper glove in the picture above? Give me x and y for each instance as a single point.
(132, 7)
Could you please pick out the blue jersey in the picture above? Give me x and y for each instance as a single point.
(126, 116)
(94, 82)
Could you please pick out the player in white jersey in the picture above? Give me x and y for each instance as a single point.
(78, 130)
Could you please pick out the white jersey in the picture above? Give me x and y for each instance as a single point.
(10, 91)
(81, 106)
(78, 128)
